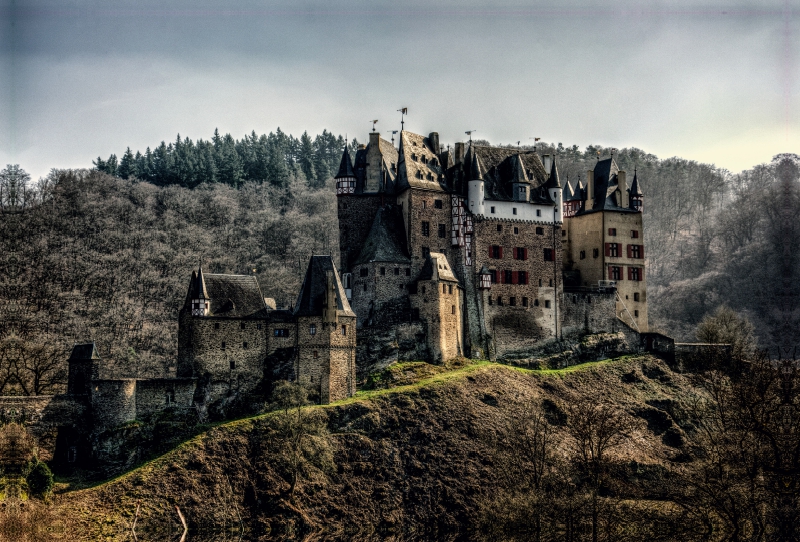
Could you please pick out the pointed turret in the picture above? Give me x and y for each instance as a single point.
(635, 192)
(346, 177)
(475, 185)
(199, 294)
(569, 193)
(519, 179)
(553, 181)
(476, 169)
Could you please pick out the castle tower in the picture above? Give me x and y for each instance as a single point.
(520, 181)
(553, 187)
(83, 369)
(476, 187)
(635, 195)
(200, 299)
(345, 177)
(326, 332)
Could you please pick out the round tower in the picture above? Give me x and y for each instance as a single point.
(476, 186)
(554, 190)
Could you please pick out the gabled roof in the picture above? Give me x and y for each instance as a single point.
(518, 173)
(235, 296)
(501, 167)
(197, 288)
(311, 299)
(386, 241)
(606, 182)
(345, 166)
(553, 181)
(85, 351)
(569, 193)
(419, 165)
(436, 267)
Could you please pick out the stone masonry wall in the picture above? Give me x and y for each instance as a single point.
(113, 403)
(151, 394)
(356, 214)
(440, 306)
(589, 311)
(385, 283)
(517, 327)
(326, 358)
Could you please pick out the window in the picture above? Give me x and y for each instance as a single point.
(595, 252)
(216, 325)
(634, 234)
(635, 273)
(563, 233)
(539, 231)
(548, 254)
(442, 231)
(500, 300)
(499, 227)
(426, 229)
(232, 365)
(383, 271)
(538, 212)
(636, 314)
(241, 326)
(522, 277)
(408, 271)
(491, 302)
(524, 301)
(444, 288)
(546, 303)
(612, 250)
(550, 283)
(513, 210)
(344, 330)
(614, 272)
(423, 289)
(452, 309)
(509, 276)
(449, 288)
(516, 230)
(512, 301)
(437, 203)
(540, 283)
(535, 302)
(244, 345)
(397, 271)
(424, 204)
(365, 286)
(635, 251)
(583, 254)
(312, 329)
(636, 296)
(520, 253)
(281, 332)
(496, 252)
(315, 354)
(493, 275)
(223, 345)
(612, 232)
(401, 286)
(364, 272)
(491, 210)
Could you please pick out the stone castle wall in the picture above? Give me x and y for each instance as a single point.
(356, 214)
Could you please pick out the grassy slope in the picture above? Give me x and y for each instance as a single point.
(416, 455)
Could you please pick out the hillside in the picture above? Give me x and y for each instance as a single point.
(439, 456)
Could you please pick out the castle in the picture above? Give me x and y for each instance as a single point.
(481, 251)
(478, 252)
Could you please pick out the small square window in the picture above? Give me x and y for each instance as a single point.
(491, 210)
(547, 304)
(612, 232)
(383, 271)
(516, 230)
(636, 296)
(437, 203)
(312, 329)
(513, 210)
(512, 301)
(538, 212)
(397, 271)
(499, 227)
(539, 231)
(232, 365)
(216, 325)
(524, 301)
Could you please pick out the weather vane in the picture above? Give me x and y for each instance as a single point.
(392, 132)
(403, 113)
(374, 122)
(469, 133)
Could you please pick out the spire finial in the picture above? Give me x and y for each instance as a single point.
(403, 113)
(374, 122)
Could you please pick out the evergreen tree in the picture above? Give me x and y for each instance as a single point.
(127, 165)
(305, 158)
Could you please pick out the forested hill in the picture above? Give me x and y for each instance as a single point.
(273, 159)
(90, 256)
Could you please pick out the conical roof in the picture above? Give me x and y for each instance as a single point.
(476, 169)
(386, 240)
(199, 285)
(345, 166)
(569, 193)
(553, 181)
(85, 351)
(635, 188)
(311, 299)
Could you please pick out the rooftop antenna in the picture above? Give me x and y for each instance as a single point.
(374, 122)
(403, 113)
(392, 132)
(469, 133)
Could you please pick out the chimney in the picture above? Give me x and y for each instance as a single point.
(375, 139)
(622, 182)
(460, 152)
(433, 141)
(589, 190)
(547, 161)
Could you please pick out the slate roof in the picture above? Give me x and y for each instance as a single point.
(386, 241)
(345, 166)
(635, 188)
(418, 165)
(84, 351)
(500, 168)
(606, 183)
(569, 193)
(235, 296)
(553, 181)
(436, 267)
(311, 299)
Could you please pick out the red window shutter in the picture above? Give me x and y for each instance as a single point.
(524, 253)
(490, 251)
(641, 273)
(610, 273)
(630, 273)
(630, 251)
(641, 253)
(514, 277)
(501, 252)
(516, 253)
(608, 249)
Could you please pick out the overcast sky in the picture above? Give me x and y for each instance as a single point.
(716, 83)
